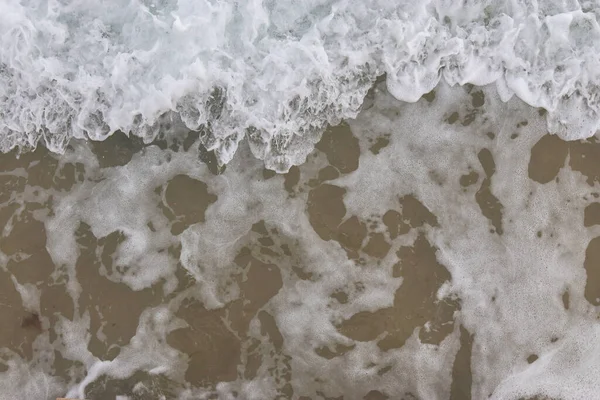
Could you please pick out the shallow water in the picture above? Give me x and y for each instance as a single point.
(446, 249)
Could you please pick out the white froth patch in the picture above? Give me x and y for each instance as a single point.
(510, 285)
(30, 295)
(279, 72)
(121, 199)
(146, 351)
(569, 371)
(20, 381)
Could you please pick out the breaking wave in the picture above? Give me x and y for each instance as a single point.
(277, 72)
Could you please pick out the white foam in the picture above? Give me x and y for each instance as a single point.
(30, 295)
(123, 200)
(523, 273)
(278, 72)
(21, 381)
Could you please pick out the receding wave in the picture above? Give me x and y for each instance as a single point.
(277, 72)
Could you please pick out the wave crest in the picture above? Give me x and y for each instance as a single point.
(277, 73)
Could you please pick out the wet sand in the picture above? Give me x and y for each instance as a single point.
(240, 339)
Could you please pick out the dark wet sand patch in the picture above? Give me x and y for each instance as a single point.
(548, 156)
(469, 179)
(326, 209)
(489, 204)
(341, 148)
(105, 299)
(415, 303)
(186, 201)
(462, 378)
(213, 339)
(592, 215)
(379, 144)
(592, 269)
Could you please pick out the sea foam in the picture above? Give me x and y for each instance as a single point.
(277, 73)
